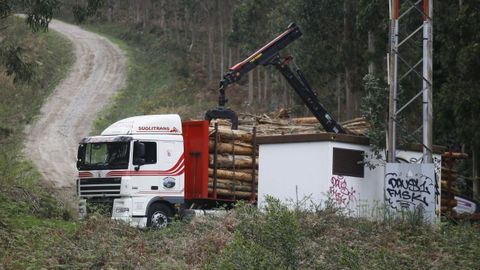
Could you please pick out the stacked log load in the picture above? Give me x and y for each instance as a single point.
(233, 163)
(449, 176)
(233, 159)
(267, 125)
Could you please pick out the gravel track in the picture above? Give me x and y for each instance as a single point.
(68, 114)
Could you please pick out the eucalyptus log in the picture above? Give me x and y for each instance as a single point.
(222, 122)
(235, 142)
(230, 161)
(241, 143)
(229, 148)
(231, 182)
(233, 134)
(354, 121)
(231, 187)
(225, 174)
(448, 170)
(454, 155)
(305, 121)
(449, 177)
(225, 192)
(275, 122)
(447, 202)
(453, 190)
(248, 171)
(444, 185)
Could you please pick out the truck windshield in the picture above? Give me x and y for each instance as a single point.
(101, 156)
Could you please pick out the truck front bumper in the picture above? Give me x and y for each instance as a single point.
(123, 210)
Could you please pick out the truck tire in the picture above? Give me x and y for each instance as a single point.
(159, 215)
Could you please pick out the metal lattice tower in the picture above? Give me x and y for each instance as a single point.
(399, 9)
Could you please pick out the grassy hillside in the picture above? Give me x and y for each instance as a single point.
(25, 203)
(50, 56)
(154, 85)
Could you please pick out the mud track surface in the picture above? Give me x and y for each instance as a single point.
(68, 114)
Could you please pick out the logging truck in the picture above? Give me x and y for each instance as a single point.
(145, 169)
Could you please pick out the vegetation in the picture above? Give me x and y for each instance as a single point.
(276, 238)
(38, 16)
(151, 86)
(26, 203)
(177, 52)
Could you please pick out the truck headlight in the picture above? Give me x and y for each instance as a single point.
(121, 209)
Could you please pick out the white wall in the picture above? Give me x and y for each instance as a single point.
(288, 171)
(291, 171)
(367, 191)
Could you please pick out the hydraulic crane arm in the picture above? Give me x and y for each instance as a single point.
(262, 56)
(308, 96)
(269, 55)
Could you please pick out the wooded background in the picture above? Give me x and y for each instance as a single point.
(343, 41)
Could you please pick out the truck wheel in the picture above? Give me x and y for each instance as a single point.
(159, 215)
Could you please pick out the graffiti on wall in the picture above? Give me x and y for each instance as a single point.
(409, 186)
(339, 191)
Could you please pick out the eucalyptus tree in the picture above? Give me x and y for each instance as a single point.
(38, 14)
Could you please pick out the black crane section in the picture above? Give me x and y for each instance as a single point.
(269, 55)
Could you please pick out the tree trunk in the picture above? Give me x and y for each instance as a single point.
(371, 52)
(144, 13)
(162, 16)
(347, 46)
(475, 174)
(284, 92)
(250, 88)
(230, 28)
(339, 96)
(259, 87)
(265, 84)
(222, 41)
(137, 12)
(348, 94)
(111, 5)
(210, 55)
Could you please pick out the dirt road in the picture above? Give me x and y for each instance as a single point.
(67, 115)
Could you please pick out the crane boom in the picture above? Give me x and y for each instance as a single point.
(269, 55)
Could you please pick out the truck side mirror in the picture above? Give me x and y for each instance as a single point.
(80, 155)
(138, 153)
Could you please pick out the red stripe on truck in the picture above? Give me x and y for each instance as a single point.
(85, 174)
(175, 170)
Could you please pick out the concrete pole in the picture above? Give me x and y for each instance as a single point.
(427, 83)
(393, 82)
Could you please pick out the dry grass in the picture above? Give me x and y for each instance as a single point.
(245, 238)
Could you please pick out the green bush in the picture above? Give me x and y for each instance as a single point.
(264, 239)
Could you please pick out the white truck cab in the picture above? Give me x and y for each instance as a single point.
(136, 168)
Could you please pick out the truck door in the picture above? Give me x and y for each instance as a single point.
(171, 160)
